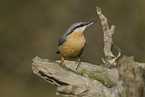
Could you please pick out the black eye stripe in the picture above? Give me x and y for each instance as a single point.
(81, 25)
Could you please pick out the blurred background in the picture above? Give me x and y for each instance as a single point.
(30, 28)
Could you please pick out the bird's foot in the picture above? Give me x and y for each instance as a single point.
(62, 61)
(78, 62)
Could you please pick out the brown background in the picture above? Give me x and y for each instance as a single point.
(30, 28)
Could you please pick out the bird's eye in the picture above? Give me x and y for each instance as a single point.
(81, 25)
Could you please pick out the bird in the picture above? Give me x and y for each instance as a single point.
(72, 42)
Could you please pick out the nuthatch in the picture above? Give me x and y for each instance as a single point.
(72, 42)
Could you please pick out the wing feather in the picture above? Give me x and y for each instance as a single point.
(61, 41)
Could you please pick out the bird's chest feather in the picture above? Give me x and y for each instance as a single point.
(76, 41)
(73, 46)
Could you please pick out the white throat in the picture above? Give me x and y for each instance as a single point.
(81, 29)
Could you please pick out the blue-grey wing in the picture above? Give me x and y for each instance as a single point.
(68, 32)
(61, 41)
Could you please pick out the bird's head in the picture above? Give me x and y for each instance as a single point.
(79, 27)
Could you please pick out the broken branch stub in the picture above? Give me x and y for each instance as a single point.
(110, 58)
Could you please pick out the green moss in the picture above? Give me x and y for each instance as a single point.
(90, 75)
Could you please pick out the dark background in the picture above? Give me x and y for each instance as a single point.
(30, 28)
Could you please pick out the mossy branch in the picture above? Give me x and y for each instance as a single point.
(69, 83)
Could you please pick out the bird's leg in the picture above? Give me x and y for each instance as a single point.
(78, 62)
(62, 60)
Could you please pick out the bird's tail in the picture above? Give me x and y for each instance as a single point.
(57, 52)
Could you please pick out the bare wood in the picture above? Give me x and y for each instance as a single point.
(131, 75)
(110, 58)
(69, 83)
(142, 65)
(107, 34)
(108, 77)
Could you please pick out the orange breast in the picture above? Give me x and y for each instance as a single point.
(73, 46)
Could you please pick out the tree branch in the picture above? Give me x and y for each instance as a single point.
(69, 83)
(108, 77)
(107, 34)
(110, 59)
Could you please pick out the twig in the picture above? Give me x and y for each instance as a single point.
(110, 59)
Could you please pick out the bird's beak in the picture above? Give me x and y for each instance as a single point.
(90, 23)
